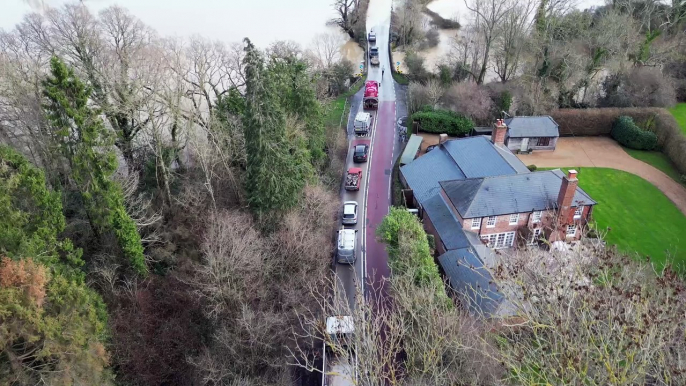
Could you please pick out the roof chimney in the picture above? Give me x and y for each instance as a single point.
(442, 138)
(566, 197)
(499, 132)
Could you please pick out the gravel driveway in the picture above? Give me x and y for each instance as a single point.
(604, 152)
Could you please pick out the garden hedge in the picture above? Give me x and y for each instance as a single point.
(588, 122)
(628, 134)
(443, 122)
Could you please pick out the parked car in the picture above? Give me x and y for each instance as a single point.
(429, 148)
(345, 254)
(361, 153)
(349, 213)
(363, 123)
(372, 36)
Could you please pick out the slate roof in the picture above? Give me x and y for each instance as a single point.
(512, 159)
(529, 127)
(477, 157)
(492, 196)
(457, 159)
(446, 224)
(424, 173)
(470, 279)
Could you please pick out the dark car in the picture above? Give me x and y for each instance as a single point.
(429, 148)
(361, 153)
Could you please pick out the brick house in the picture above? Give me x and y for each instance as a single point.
(474, 196)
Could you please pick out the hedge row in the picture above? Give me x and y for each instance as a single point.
(628, 134)
(587, 122)
(443, 122)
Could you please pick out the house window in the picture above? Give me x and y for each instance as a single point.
(476, 223)
(543, 141)
(571, 230)
(491, 221)
(535, 236)
(514, 218)
(536, 216)
(499, 240)
(489, 239)
(577, 213)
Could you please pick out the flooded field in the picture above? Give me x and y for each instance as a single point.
(455, 10)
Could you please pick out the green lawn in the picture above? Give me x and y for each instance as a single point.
(679, 113)
(641, 218)
(658, 160)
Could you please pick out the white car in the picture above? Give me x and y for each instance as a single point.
(350, 213)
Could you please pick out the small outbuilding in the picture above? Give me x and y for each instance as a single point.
(525, 134)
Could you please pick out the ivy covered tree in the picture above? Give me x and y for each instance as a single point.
(84, 141)
(409, 251)
(275, 174)
(298, 98)
(52, 326)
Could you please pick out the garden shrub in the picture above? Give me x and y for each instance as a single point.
(627, 133)
(532, 168)
(443, 121)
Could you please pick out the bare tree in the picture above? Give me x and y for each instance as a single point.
(488, 15)
(469, 99)
(591, 316)
(511, 39)
(325, 49)
(347, 15)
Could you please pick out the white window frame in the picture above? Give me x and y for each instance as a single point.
(578, 212)
(490, 239)
(536, 216)
(571, 227)
(499, 240)
(476, 223)
(488, 221)
(514, 216)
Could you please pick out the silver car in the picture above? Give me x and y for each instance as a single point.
(349, 213)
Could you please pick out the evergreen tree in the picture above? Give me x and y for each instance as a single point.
(275, 176)
(85, 142)
(297, 97)
(52, 326)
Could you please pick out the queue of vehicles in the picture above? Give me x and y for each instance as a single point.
(339, 369)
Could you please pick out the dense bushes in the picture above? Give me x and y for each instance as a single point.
(625, 131)
(583, 122)
(641, 87)
(443, 121)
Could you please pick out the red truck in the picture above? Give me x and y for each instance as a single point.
(353, 179)
(371, 95)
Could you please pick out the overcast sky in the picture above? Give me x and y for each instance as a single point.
(229, 20)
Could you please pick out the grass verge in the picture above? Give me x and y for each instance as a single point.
(679, 113)
(636, 215)
(401, 78)
(659, 161)
(338, 107)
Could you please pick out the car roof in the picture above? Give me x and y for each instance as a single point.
(349, 208)
(360, 146)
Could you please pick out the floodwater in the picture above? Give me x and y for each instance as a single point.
(263, 21)
(456, 10)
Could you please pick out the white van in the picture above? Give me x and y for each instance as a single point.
(363, 122)
(345, 254)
